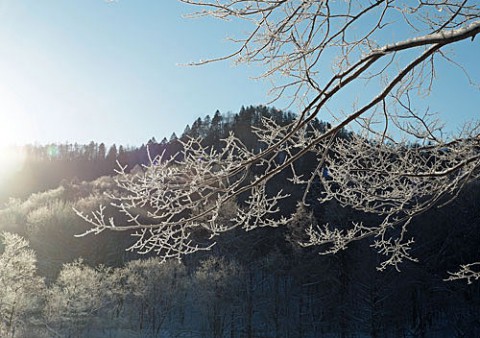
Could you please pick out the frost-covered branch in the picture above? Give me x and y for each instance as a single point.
(397, 165)
(470, 272)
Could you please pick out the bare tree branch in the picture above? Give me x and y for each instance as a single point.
(317, 53)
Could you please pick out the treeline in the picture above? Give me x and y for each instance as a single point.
(46, 166)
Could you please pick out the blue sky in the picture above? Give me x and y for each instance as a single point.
(89, 70)
(82, 70)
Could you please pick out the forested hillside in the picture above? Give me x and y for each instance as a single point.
(47, 166)
(260, 283)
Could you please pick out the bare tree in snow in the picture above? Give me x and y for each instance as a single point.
(367, 65)
(21, 290)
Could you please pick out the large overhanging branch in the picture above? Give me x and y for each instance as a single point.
(178, 204)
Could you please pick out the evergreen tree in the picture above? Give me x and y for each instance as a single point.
(101, 152)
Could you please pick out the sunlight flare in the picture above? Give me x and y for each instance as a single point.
(15, 131)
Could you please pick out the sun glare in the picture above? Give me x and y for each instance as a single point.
(11, 161)
(14, 129)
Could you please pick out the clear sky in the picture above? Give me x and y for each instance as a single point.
(82, 70)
